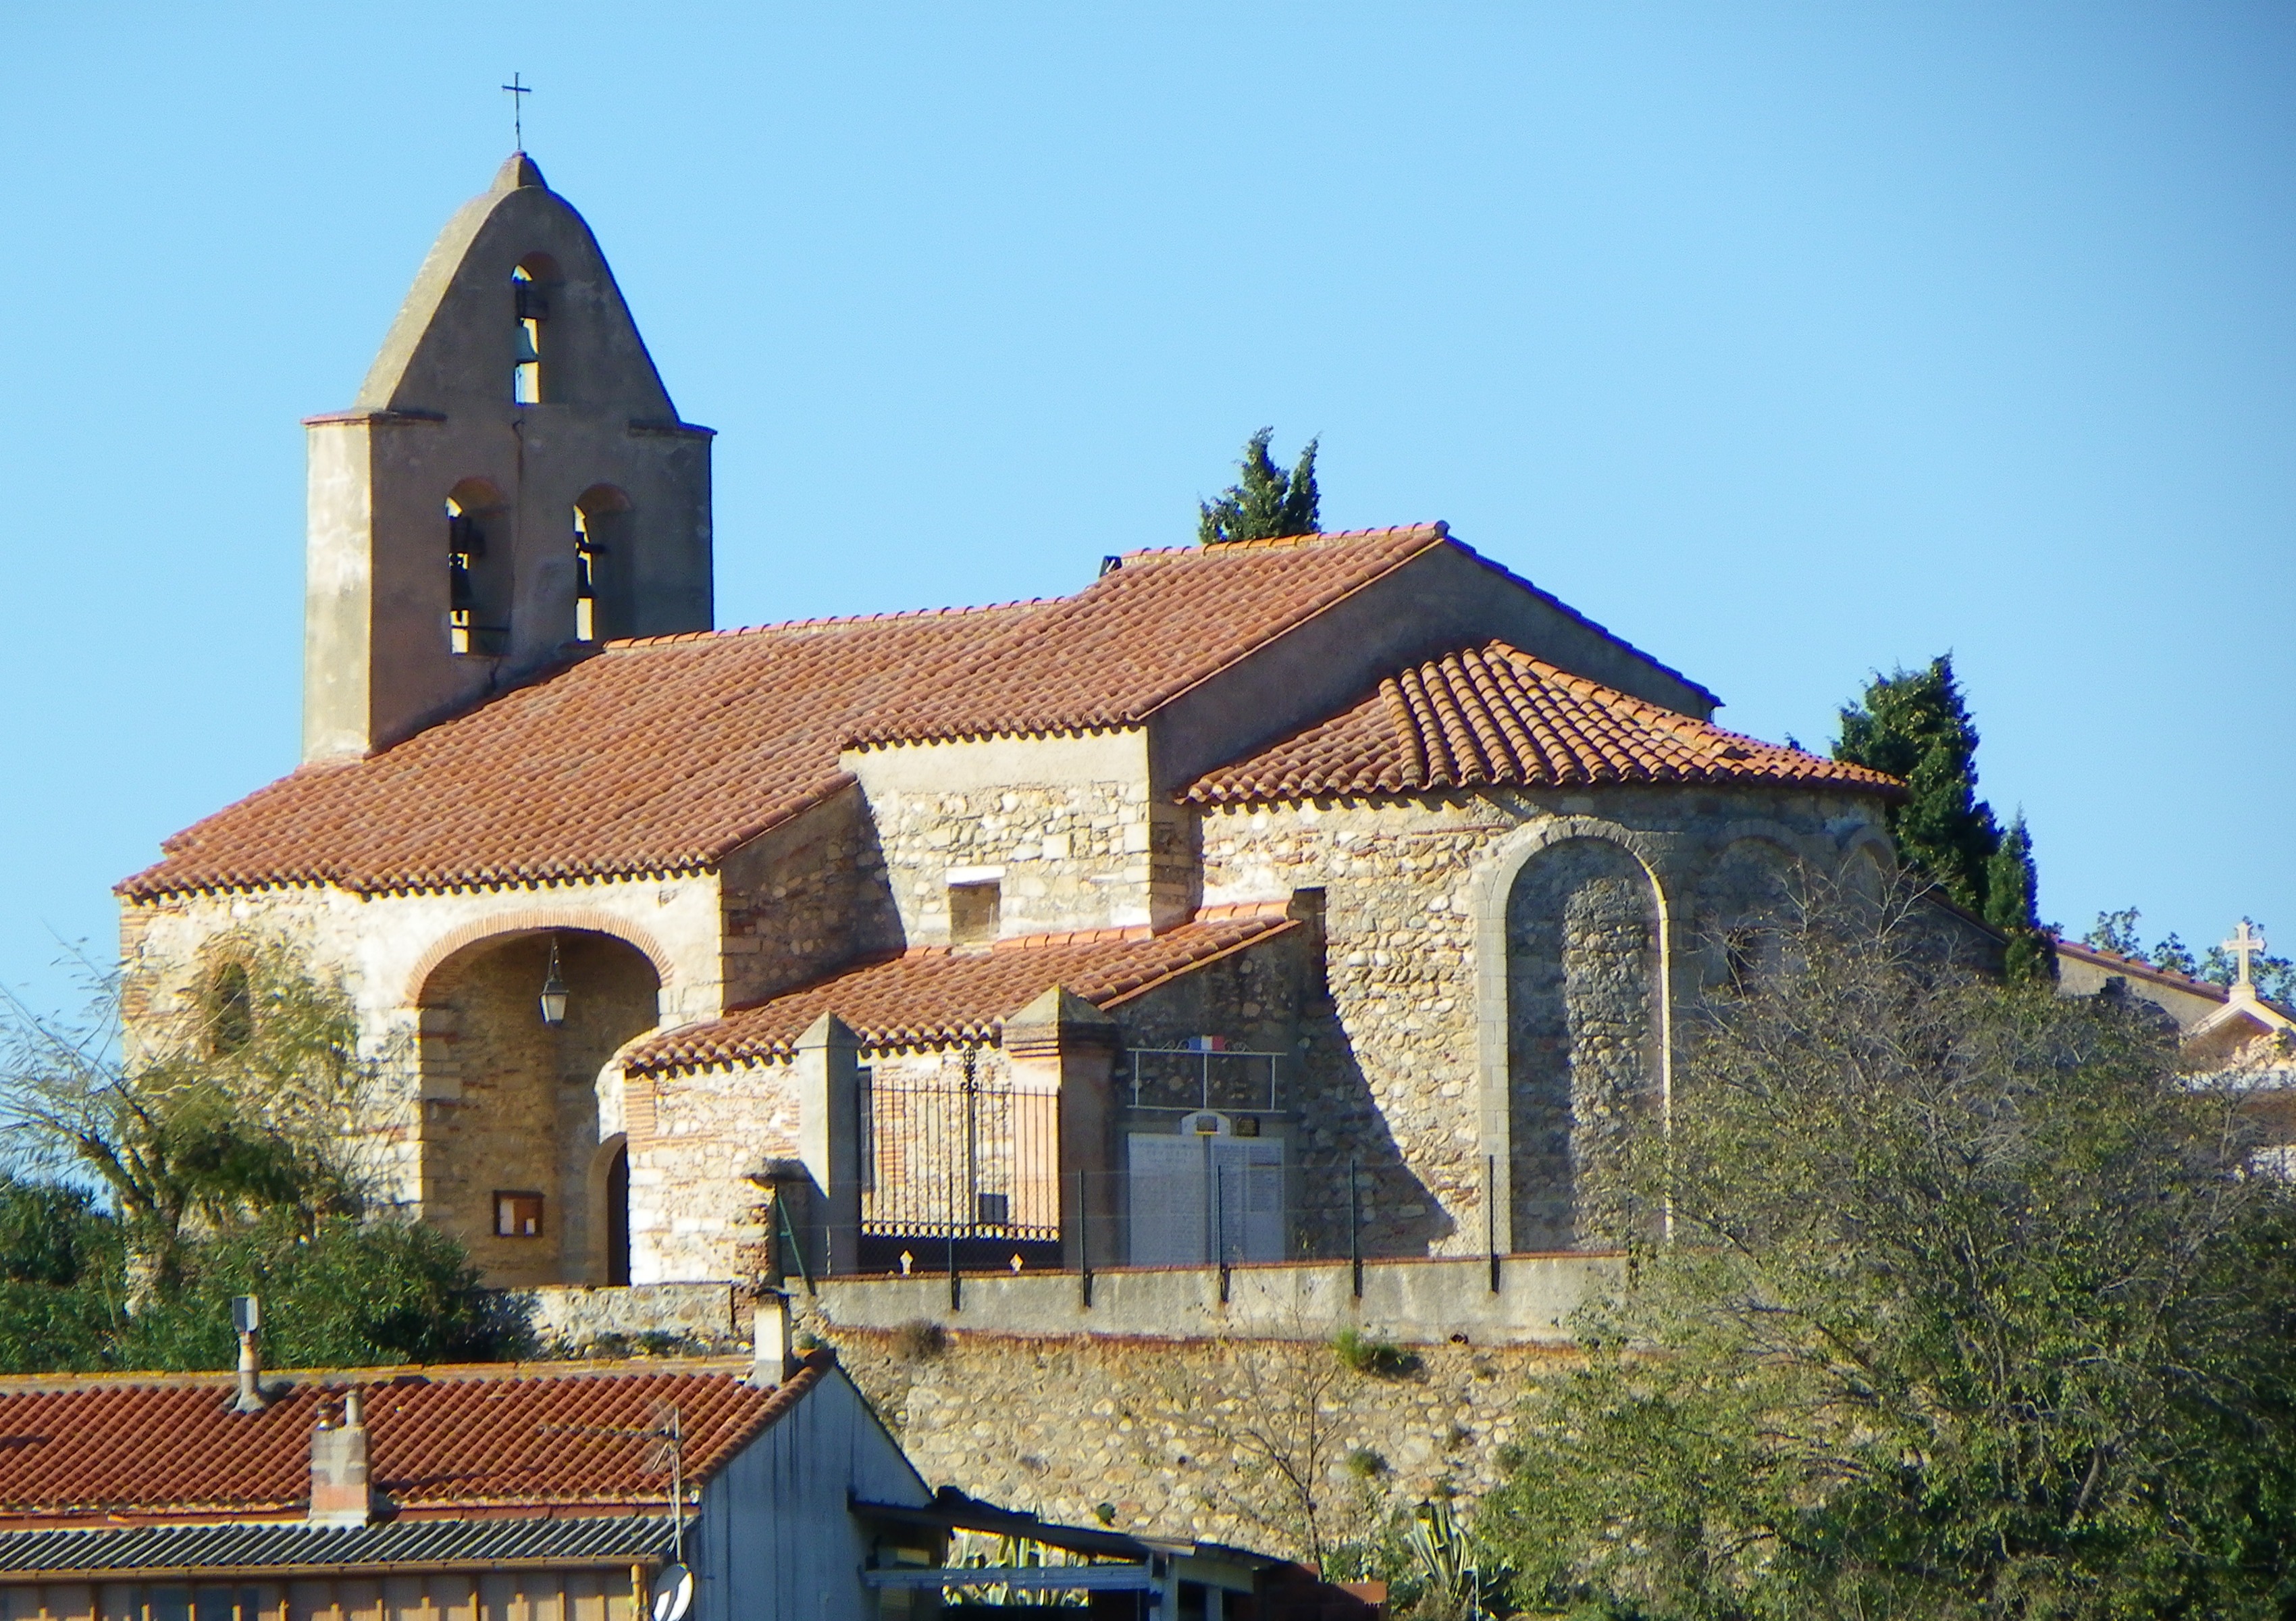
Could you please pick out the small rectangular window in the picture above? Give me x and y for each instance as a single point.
(865, 1100)
(992, 1209)
(974, 912)
(518, 1216)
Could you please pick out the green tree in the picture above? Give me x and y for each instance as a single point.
(1915, 725)
(343, 1293)
(1266, 503)
(60, 1265)
(2009, 881)
(220, 1142)
(1972, 1307)
(229, 1102)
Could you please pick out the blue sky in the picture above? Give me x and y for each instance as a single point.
(1789, 342)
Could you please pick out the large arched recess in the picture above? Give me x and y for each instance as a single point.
(510, 1103)
(1574, 959)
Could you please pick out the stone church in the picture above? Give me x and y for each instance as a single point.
(1249, 902)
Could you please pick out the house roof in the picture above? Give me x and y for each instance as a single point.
(931, 994)
(666, 754)
(490, 1543)
(1495, 715)
(442, 1441)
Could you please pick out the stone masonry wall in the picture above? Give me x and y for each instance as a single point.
(804, 898)
(1396, 1071)
(510, 1104)
(693, 1140)
(383, 948)
(1064, 826)
(1148, 1435)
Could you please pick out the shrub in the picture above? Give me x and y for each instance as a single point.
(1378, 1359)
(919, 1340)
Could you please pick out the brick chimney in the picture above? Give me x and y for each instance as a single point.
(340, 1494)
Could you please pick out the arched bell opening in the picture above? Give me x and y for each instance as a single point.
(478, 582)
(513, 1161)
(604, 543)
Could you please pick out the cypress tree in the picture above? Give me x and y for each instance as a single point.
(2009, 881)
(1266, 503)
(1914, 725)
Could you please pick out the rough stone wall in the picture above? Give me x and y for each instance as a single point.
(693, 1140)
(1582, 1037)
(1395, 1070)
(803, 900)
(1064, 826)
(383, 947)
(1153, 1429)
(510, 1104)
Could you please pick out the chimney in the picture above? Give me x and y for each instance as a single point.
(776, 1357)
(247, 1318)
(340, 1494)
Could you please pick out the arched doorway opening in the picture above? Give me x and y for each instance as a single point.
(618, 1217)
(511, 1136)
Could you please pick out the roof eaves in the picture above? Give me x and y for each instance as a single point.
(1257, 937)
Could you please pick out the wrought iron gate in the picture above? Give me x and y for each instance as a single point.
(959, 1156)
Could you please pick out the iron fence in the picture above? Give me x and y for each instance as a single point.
(959, 1156)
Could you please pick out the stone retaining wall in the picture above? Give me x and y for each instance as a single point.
(1174, 1438)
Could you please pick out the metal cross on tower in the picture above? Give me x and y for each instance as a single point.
(518, 93)
(2244, 944)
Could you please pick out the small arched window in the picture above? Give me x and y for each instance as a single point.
(478, 571)
(230, 1009)
(531, 286)
(602, 564)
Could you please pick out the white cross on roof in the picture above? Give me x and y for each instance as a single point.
(2244, 944)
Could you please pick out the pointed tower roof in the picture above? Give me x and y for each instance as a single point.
(517, 170)
(424, 360)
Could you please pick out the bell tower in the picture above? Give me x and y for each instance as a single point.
(511, 485)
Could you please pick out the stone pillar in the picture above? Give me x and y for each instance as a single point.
(1062, 1043)
(829, 1141)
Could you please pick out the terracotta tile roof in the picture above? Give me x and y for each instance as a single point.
(665, 755)
(931, 994)
(440, 1440)
(1495, 715)
(1144, 633)
(654, 756)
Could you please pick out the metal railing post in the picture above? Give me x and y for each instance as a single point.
(1219, 1226)
(1355, 1230)
(1491, 1215)
(1083, 1241)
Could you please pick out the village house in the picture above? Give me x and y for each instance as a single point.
(1340, 893)
(763, 1488)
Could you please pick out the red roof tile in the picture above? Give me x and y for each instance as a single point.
(930, 994)
(1497, 716)
(439, 1439)
(665, 755)
(1144, 633)
(653, 756)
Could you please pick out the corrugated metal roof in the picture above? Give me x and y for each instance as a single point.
(578, 1539)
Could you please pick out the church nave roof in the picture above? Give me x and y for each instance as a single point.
(665, 755)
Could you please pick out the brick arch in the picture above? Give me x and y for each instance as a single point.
(532, 919)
